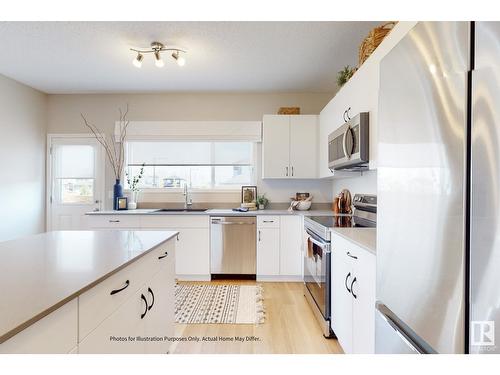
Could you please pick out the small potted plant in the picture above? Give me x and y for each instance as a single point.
(133, 184)
(262, 201)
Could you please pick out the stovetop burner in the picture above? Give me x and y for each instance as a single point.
(333, 221)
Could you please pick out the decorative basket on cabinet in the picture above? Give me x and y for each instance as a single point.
(373, 40)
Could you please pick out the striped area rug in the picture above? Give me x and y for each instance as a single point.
(216, 304)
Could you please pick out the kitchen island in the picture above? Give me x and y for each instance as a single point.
(70, 291)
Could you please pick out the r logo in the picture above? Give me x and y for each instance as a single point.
(482, 333)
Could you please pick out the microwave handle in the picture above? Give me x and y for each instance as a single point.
(344, 139)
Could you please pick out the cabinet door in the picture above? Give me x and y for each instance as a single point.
(341, 307)
(363, 310)
(192, 254)
(268, 251)
(303, 146)
(112, 335)
(291, 245)
(159, 321)
(276, 147)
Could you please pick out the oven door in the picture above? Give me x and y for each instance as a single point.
(317, 272)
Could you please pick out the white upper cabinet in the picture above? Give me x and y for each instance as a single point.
(360, 94)
(289, 146)
(303, 142)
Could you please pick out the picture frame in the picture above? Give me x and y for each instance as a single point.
(248, 194)
(121, 203)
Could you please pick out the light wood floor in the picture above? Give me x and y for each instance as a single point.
(290, 327)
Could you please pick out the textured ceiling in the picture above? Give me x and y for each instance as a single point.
(91, 57)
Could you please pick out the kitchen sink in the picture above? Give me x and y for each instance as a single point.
(181, 210)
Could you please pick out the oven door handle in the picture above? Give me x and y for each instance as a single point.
(322, 245)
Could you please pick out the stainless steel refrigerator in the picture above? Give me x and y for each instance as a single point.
(438, 245)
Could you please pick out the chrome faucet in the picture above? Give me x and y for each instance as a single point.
(188, 201)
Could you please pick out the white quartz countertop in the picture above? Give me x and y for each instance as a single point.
(364, 237)
(40, 273)
(214, 212)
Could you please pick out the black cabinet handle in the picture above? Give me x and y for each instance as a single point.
(352, 256)
(268, 221)
(259, 236)
(163, 256)
(146, 309)
(153, 295)
(127, 283)
(178, 237)
(347, 113)
(114, 221)
(352, 289)
(345, 282)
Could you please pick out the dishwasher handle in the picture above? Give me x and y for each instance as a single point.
(231, 223)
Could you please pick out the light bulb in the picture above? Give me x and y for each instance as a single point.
(158, 61)
(181, 61)
(138, 60)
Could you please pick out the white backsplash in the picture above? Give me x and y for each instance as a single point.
(366, 183)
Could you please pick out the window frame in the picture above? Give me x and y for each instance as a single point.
(213, 189)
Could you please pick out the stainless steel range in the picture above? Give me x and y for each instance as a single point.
(317, 255)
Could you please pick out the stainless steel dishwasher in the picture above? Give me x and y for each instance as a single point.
(233, 247)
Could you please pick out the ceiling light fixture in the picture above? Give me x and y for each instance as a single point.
(138, 60)
(181, 61)
(156, 49)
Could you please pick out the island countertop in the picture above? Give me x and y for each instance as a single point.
(40, 273)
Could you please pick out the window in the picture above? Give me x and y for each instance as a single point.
(202, 165)
(74, 174)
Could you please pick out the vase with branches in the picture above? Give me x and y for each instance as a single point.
(114, 148)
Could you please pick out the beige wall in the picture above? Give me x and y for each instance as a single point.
(22, 153)
(102, 109)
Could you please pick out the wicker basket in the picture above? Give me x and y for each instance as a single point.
(372, 41)
(289, 111)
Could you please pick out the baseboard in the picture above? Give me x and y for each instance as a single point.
(193, 277)
(280, 278)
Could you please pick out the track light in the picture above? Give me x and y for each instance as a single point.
(156, 48)
(181, 61)
(138, 60)
(158, 61)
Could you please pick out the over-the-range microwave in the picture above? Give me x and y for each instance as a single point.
(348, 145)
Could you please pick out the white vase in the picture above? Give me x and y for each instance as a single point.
(132, 204)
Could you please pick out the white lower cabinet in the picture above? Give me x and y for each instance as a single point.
(115, 334)
(353, 296)
(39, 338)
(192, 260)
(279, 248)
(268, 252)
(193, 253)
(141, 323)
(291, 246)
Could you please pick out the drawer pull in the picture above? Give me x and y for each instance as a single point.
(163, 256)
(268, 221)
(146, 310)
(114, 221)
(127, 283)
(352, 256)
(178, 236)
(152, 295)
